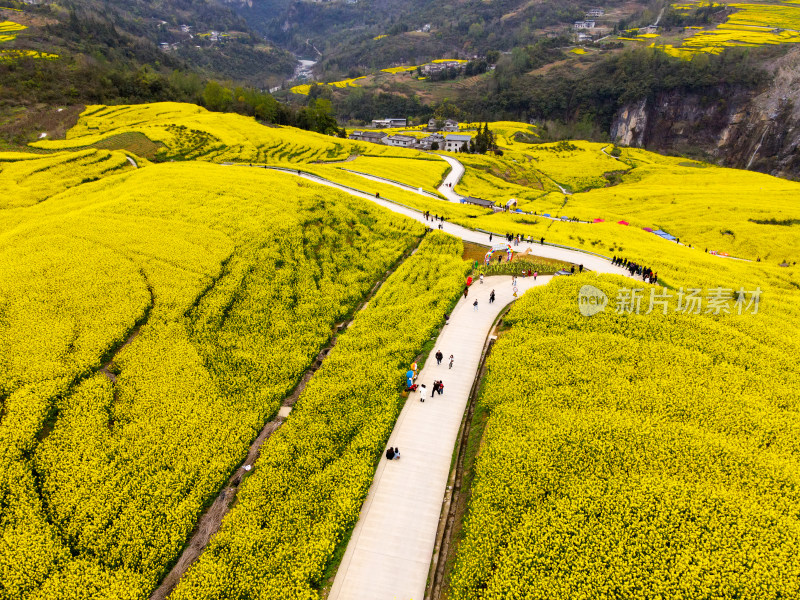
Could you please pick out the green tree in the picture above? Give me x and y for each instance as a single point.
(217, 97)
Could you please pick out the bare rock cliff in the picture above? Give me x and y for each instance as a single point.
(732, 127)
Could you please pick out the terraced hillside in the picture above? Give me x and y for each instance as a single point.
(155, 316)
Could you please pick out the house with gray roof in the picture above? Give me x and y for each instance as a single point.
(404, 141)
(456, 142)
(376, 137)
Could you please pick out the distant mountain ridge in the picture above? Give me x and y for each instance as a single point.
(377, 33)
(203, 36)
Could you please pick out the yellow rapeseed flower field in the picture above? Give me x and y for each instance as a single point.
(9, 30)
(636, 455)
(189, 132)
(427, 172)
(29, 178)
(625, 455)
(236, 277)
(313, 474)
(749, 24)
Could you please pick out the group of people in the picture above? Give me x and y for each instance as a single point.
(429, 217)
(646, 273)
(439, 356)
(515, 239)
(435, 218)
(393, 453)
(438, 384)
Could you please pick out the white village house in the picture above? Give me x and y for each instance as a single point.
(456, 142)
(404, 141)
(376, 137)
(427, 142)
(389, 123)
(450, 125)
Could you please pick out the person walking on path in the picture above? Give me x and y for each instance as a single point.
(397, 454)
(451, 362)
(475, 305)
(580, 268)
(466, 290)
(439, 357)
(535, 275)
(390, 453)
(423, 393)
(490, 237)
(491, 297)
(481, 278)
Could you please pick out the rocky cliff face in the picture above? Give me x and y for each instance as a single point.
(732, 127)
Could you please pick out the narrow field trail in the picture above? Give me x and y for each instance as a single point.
(564, 191)
(396, 184)
(453, 177)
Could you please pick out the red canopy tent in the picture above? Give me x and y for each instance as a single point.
(648, 229)
(623, 222)
(599, 221)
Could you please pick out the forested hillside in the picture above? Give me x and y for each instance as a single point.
(133, 51)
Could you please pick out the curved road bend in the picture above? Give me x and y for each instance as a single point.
(447, 189)
(389, 553)
(589, 261)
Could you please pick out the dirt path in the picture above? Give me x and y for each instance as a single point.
(212, 518)
(109, 368)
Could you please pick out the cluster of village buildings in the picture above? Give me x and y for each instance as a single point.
(444, 137)
(212, 36)
(438, 67)
(589, 23)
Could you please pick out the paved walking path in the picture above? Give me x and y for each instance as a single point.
(396, 184)
(389, 554)
(390, 551)
(453, 177)
(589, 261)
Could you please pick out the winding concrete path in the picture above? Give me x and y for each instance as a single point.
(447, 189)
(592, 262)
(389, 553)
(396, 184)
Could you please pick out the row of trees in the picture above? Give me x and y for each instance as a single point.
(316, 116)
